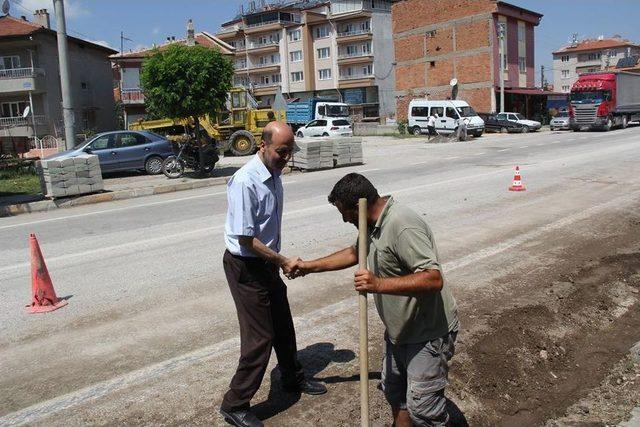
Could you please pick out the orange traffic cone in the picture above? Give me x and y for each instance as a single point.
(517, 181)
(43, 297)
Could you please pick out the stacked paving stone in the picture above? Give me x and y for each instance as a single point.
(312, 154)
(347, 151)
(71, 176)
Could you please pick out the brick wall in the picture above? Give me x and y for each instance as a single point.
(411, 14)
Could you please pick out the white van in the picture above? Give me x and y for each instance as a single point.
(450, 113)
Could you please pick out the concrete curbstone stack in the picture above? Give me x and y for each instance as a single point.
(71, 176)
(326, 153)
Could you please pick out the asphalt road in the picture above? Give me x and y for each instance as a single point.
(150, 334)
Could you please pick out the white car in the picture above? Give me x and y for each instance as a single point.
(527, 125)
(560, 121)
(326, 127)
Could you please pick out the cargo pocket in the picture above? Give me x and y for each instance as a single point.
(426, 402)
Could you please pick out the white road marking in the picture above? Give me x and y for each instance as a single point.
(369, 170)
(480, 154)
(505, 149)
(106, 211)
(451, 158)
(524, 146)
(306, 325)
(419, 163)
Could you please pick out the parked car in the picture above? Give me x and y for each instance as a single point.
(449, 112)
(124, 150)
(560, 121)
(528, 125)
(326, 127)
(493, 124)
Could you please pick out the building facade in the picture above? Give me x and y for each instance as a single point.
(588, 56)
(29, 77)
(127, 68)
(439, 40)
(340, 49)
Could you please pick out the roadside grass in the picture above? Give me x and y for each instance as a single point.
(16, 180)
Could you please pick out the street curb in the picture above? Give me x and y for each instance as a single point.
(49, 205)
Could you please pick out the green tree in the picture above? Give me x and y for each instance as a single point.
(186, 81)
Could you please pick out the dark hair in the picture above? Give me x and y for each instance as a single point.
(266, 137)
(350, 189)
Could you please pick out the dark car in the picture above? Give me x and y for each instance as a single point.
(124, 150)
(493, 124)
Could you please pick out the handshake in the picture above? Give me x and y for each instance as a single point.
(294, 267)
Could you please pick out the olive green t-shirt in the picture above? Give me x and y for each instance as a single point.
(401, 243)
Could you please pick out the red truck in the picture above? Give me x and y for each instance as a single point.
(604, 100)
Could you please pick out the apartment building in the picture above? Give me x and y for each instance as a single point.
(589, 56)
(127, 67)
(340, 49)
(439, 40)
(29, 77)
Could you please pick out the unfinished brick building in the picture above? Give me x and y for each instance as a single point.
(437, 40)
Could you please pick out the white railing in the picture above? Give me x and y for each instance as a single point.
(354, 32)
(18, 73)
(8, 122)
(132, 96)
(240, 66)
(264, 44)
(266, 64)
(353, 55)
(265, 84)
(275, 21)
(44, 143)
(355, 76)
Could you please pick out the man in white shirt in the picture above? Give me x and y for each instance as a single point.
(431, 125)
(251, 263)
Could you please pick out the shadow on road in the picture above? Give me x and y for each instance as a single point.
(314, 358)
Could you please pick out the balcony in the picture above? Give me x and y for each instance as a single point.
(132, 96)
(355, 80)
(265, 88)
(240, 67)
(270, 46)
(265, 67)
(23, 127)
(354, 57)
(271, 25)
(354, 35)
(15, 80)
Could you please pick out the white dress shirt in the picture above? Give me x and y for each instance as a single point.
(254, 197)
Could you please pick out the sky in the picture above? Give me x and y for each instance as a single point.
(151, 21)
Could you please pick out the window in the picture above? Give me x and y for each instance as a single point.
(451, 112)
(322, 32)
(324, 74)
(521, 32)
(366, 47)
(439, 111)
(84, 85)
(275, 78)
(295, 35)
(130, 139)
(296, 76)
(324, 52)
(13, 109)
(566, 88)
(102, 142)
(502, 116)
(565, 74)
(341, 122)
(594, 56)
(565, 58)
(365, 25)
(296, 56)
(265, 80)
(9, 62)
(522, 64)
(420, 111)
(321, 123)
(367, 70)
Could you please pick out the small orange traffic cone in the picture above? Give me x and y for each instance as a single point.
(517, 181)
(43, 297)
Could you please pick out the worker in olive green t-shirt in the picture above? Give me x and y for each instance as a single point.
(405, 277)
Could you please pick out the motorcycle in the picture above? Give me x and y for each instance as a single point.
(188, 157)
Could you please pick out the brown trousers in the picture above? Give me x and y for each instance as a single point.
(265, 320)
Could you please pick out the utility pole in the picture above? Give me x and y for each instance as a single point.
(542, 84)
(122, 39)
(501, 34)
(65, 77)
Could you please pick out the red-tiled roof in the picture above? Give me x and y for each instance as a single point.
(14, 27)
(203, 39)
(596, 45)
(10, 26)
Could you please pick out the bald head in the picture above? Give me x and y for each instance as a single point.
(276, 145)
(276, 132)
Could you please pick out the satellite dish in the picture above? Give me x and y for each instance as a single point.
(26, 112)
(5, 7)
(453, 82)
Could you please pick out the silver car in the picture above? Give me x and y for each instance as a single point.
(560, 122)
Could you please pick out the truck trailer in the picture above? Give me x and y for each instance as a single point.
(604, 100)
(301, 112)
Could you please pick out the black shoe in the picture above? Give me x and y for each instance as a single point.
(306, 387)
(241, 418)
